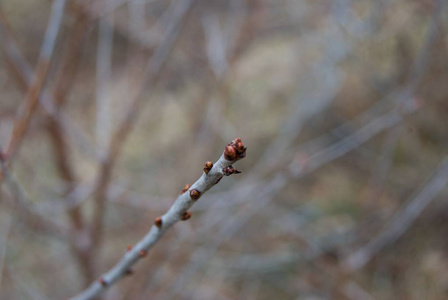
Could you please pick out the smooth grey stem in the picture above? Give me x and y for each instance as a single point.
(171, 217)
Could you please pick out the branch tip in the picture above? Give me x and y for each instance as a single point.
(230, 153)
(235, 150)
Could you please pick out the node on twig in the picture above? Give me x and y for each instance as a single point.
(102, 281)
(230, 170)
(158, 222)
(195, 194)
(185, 216)
(208, 166)
(235, 150)
(186, 187)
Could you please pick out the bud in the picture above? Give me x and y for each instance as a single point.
(186, 187)
(195, 194)
(185, 216)
(230, 153)
(158, 222)
(208, 166)
(102, 281)
(230, 170)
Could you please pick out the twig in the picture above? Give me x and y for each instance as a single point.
(64, 80)
(25, 76)
(401, 222)
(39, 78)
(26, 207)
(103, 75)
(6, 227)
(179, 211)
(179, 10)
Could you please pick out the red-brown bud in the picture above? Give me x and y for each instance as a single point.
(237, 140)
(230, 153)
(185, 216)
(208, 166)
(195, 194)
(158, 222)
(186, 187)
(240, 147)
(102, 281)
(143, 253)
(230, 170)
(129, 247)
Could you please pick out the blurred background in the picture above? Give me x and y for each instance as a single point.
(108, 108)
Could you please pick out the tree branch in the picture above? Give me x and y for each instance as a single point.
(178, 212)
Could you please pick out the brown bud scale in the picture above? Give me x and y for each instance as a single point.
(195, 194)
(186, 187)
(230, 170)
(235, 150)
(129, 247)
(102, 281)
(230, 153)
(143, 253)
(158, 222)
(185, 216)
(208, 166)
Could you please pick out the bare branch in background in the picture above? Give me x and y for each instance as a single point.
(401, 221)
(40, 75)
(178, 10)
(345, 102)
(103, 76)
(26, 207)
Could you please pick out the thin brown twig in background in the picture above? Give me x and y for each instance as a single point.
(25, 207)
(401, 222)
(179, 11)
(64, 80)
(39, 78)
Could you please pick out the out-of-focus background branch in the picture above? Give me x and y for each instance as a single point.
(109, 107)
